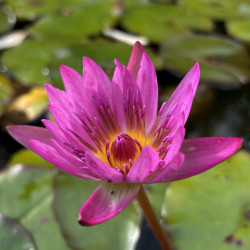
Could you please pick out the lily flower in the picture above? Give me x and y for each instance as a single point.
(110, 131)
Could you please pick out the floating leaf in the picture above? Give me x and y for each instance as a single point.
(239, 29)
(119, 233)
(28, 61)
(219, 10)
(222, 61)
(159, 22)
(14, 236)
(28, 106)
(5, 20)
(202, 212)
(22, 188)
(76, 26)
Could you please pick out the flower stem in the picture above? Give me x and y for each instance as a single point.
(152, 219)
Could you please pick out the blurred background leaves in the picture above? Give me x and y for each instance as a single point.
(39, 205)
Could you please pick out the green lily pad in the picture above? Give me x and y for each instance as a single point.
(43, 226)
(22, 188)
(30, 9)
(27, 157)
(119, 233)
(219, 10)
(222, 61)
(103, 53)
(76, 26)
(206, 211)
(14, 236)
(27, 107)
(28, 61)
(158, 22)
(5, 21)
(239, 29)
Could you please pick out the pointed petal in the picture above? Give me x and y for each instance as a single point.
(23, 134)
(108, 200)
(135, 59)
(73, 82)
(202, 154)
(184, 93)
(103, 171)
(144, 165)
(49, 154)
(148, 86)
(165, 172)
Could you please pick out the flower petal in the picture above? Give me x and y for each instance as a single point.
(108, 200)
(184, 94)
(165, 172)
(135, 59)
(73, 82)
(202, 154)
(101, 170)
(144, 165)
(24, 133)
(147, 83)
(49, 154)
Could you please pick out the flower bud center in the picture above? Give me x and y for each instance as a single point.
(124, 150)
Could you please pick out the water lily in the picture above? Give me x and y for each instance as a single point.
(110, 131)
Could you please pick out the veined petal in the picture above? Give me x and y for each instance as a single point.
(73, 82)
(108, 200)
(24, 133)
(103, 171)
(135, 59)
(184, 93)
(49, 154)
(147, 83)
(165, 172)
(144, 165)
(202, 154)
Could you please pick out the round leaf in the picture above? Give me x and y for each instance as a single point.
(239, 29)
(202, 212)
(222, 61)
(119, 233)
(14, 236)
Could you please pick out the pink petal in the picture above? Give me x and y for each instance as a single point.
(148, 86)
(166, 172)
(108, 200)
(51, 155)
(135, 59)
(144, 165)
(184, 93)
(202, 154)
(23, 134)
(103, 171)
(73, 82)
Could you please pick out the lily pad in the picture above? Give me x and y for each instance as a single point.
(22, 188)
(121, 232)
(239, 29)
(28, 61)
(27, 157)
(219, 10)
(43, 226)
(5, 21)
(14, 236)
(158, 22)
(27, 107)
(77, 25)
(223, 62)
(204, 211)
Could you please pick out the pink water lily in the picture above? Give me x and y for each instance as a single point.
(110, 131)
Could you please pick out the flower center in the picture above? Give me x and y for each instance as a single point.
(123, 152)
